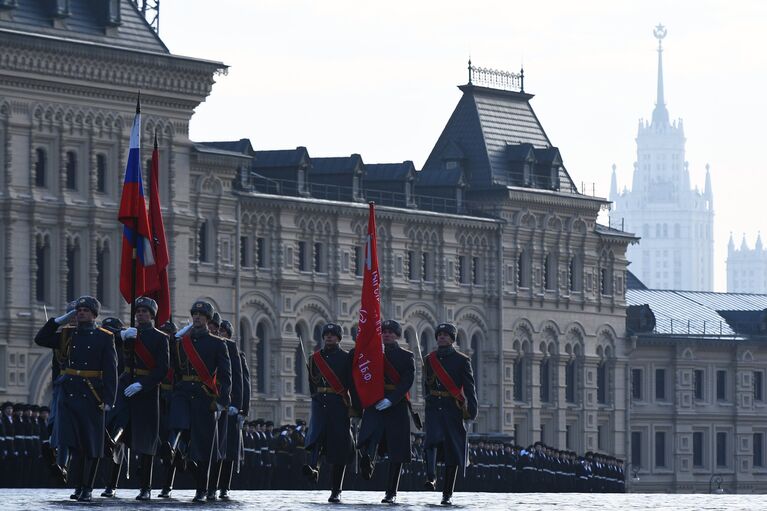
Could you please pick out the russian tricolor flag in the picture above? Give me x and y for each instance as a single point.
(133, 216)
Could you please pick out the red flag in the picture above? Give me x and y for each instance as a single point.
(136, 250)
(159, 244)
(368, 363)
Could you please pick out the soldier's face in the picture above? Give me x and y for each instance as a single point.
(330, 339)
(212, 328)
(388, 336)
(85, 315)
(143, 315)
(199, 320)
(444, 340)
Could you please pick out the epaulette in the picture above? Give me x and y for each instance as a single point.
(464, 355)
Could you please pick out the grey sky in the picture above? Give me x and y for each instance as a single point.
(378, 78)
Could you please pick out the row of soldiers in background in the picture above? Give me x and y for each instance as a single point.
(23, 435)
(120, 391)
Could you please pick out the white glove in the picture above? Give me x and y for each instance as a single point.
(183, 331)
(129, 333)
(233, 411)
(65, 318)
(107, 407)
(383, 404)
(133, 388)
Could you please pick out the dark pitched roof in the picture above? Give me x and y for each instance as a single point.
(389, 171)
(242, 146)
(695, 312)
(86, 22)
(281, 158)
(633, 282)
(336, 165)
(436, 178)
(484, 123)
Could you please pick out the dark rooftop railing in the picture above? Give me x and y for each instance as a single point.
(262, 184)
(497, 79)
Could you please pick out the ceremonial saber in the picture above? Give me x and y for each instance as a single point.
(45, 310)
(212, 445)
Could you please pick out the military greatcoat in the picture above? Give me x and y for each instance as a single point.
(444, 418)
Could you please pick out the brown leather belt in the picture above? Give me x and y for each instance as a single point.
(83, 373)
(389, 387)
(440, 393)
(325, 390)
(166, 386)
(191, 377)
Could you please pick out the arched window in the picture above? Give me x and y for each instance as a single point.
(73, 270)
(523, 269)
(576, 274)
(41, 167)
(261, 359)
(545, 380)
(475, 345)
(570, 381)
(354, 331)
(202, 240)
(42, 260)
(103, 274)
(519, 378)
(101, 173)
(71, 170)
(602, 382)
(300, 384)
(317, 336)
(425, 339)
(550, 272)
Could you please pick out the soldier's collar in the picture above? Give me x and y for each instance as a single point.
(145, 326)
(86, 326)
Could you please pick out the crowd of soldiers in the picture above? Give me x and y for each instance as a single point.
(176, 402)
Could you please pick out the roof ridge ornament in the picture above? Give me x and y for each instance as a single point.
(496, 78)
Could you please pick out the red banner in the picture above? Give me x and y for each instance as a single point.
(159, 272)
(368, 365)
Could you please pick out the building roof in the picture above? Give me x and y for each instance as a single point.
(389, 171)
(482, 127)
(336, 164)
(633, 282)
(281, 158)
(242, 146)
(698, 313)
(447, 177)
(86, 22)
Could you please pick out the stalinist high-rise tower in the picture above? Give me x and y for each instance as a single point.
(675, 222)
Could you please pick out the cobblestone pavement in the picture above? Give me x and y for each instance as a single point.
(50, 499)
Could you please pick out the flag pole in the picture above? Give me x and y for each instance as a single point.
(135, 241)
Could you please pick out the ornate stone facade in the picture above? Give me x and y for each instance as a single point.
(746, 267)
(519, 263)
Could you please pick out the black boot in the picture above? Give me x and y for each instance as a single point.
(431, 470)
(201, 477)
(395, 469)
(337, 481)
(167, 487)
(451, 471)
(215, 473)
(199, 496)
(76, 494)
(114, 477)
(90, 469)
(145, 477)
(225, 480)
(366, 467)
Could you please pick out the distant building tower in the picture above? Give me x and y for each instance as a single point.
(674, 221)
(746, 268)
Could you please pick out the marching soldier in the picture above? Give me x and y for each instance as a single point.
(233, 438)
(450, 399)
(117, 418)
(329, 429)
(385, 427)
(88, 390)
(203, 381)
(146, 356)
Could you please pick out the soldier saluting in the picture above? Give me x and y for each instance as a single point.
(450, 398)
(146, 359)
(329, 430)
(386, 426)
(88, 389)
(203, 380)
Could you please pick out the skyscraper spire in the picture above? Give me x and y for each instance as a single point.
(660, 114)
(613, 186)
(708, 192)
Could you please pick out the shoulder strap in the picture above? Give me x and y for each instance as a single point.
(199, 366)
(144, 354)
(445, 378)
(391, 372)
(328, 374)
